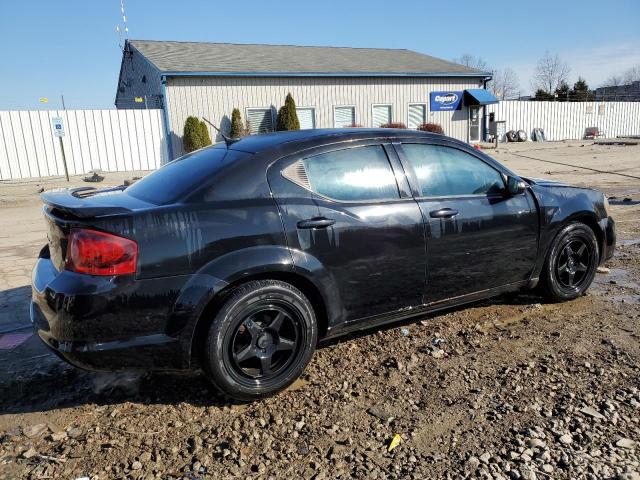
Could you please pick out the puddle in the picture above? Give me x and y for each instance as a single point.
(635, 299)
(623, 201)
(628, 243)
(619, 276)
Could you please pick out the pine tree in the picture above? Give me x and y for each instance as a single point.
(195, 135)
(287, 115)
(581, 92)
(562, 92)
(236, 124)
(541, 95)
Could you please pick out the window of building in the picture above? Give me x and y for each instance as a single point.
(306, 117)
(344, 116)
(354, 174)
(381, 115)
(445, 171)
(260, 120)
(417, 115)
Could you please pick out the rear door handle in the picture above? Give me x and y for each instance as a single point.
(443, 213)
(316, 222)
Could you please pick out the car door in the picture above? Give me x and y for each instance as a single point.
(343, 207)
(478, 236)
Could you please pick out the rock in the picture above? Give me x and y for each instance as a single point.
(33, 431)
(473, 463)
(604, 270)
(592, 412)
(566, 439)
(535, 443)
(485, 457)
(626, 443)
(547, 468)
(437, 353)
(136, 466)
(145, 456)
(58, 436)
(74, 433)
(29, 453)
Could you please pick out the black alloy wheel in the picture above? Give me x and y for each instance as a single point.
(571, 263)
(266, 341)
(260, 340)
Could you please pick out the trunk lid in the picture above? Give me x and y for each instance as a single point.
(81, 207)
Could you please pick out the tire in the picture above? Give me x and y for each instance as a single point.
(571, 263)
(260, 340)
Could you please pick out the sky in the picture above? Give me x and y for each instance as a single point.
(49, 48)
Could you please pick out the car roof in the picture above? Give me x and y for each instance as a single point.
(299, 139)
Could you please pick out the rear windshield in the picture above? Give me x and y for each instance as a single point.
(181, 177)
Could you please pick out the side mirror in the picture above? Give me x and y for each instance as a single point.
(515, 186)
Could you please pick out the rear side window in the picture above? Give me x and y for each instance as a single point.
(354, 174)
(445, 171)
(175, 180)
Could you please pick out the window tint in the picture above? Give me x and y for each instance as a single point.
(444, 171)
(353, 174)
(182, 176)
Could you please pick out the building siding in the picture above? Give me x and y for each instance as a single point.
(130, 85)
(216, 97)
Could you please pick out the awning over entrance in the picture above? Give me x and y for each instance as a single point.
(479, 96)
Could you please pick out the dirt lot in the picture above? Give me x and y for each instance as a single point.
(520, 388)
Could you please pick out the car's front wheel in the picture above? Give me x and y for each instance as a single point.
(571, 263)
(260, 340)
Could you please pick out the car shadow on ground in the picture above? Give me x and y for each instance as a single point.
(33, 379)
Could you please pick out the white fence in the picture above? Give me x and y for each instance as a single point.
(127, 140)
(568, 120)
(108, 140)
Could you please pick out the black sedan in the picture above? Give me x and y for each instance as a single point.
(240, 257)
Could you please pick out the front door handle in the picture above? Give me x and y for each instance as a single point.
(316, 222)
(443, 213)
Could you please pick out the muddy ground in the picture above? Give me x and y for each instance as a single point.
(507, 388)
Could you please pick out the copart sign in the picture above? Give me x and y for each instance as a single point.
(445, 101)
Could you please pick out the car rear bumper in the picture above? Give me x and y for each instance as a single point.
(608, 227)
(105, 323)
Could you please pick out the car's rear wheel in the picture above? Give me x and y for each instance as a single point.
(260, 340)
(571, 263)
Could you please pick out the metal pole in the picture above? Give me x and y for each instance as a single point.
(64, 159)
(62, 97)
(146, 107)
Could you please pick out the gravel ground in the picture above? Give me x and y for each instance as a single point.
(512, 387)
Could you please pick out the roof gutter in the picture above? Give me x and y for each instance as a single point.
(325, 74)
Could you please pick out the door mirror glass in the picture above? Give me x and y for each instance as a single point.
(515, 186)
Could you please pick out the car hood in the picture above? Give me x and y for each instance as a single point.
(543, 182)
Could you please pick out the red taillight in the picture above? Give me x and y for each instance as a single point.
(99, 253)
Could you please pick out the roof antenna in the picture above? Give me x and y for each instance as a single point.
(227, 140)
(126, 28)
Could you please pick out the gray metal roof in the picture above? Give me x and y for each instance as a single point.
(189, 58)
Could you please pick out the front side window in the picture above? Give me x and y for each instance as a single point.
(354, 174)
(446, 171)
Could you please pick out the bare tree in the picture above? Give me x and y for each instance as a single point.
(550, 73)
(631, 75)
(472, 61)
(613, 81)
(504, 84)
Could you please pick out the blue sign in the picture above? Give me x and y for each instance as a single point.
(440, 101)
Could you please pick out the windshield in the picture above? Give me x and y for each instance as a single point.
(180, 177)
